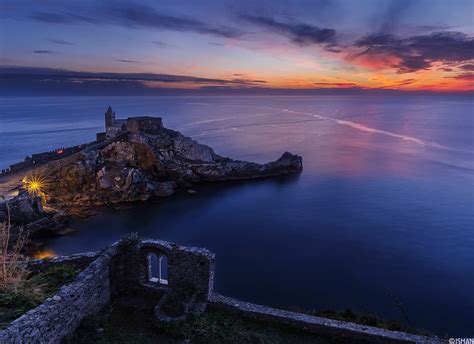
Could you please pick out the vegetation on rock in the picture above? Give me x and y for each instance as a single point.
(32, 291)
(12, 263)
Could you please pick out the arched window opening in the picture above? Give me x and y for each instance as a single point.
(157, 268)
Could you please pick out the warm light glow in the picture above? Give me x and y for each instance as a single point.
(34, 184)
(46, 253)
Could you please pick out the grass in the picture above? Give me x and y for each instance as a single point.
(125, 325)
(33, 291)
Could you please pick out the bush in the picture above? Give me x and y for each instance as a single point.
(12, 262)
(32, 292)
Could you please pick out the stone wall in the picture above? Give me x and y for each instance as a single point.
(44, 157)
(186, 265)
(144, 124)
(345, 331)
(60, 315)
(121, 274)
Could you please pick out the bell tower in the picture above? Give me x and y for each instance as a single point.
(109, 117)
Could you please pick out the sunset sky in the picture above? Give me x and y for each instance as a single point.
(218, 45)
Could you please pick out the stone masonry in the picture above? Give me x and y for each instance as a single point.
(133, 272)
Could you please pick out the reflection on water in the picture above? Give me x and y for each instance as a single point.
(382, 208)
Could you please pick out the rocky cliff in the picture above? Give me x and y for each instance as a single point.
(145, 163)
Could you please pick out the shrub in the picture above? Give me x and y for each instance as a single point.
(12, 262)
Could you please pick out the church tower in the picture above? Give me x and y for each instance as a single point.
(109, 117)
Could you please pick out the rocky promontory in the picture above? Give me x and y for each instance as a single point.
(145, 160)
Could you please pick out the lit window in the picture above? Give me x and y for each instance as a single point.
(157, 268)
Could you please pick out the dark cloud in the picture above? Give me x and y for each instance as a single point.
(398, 84)
(463, 76)
(335, 84)
(60, 42)
(43, 52)
(48, 81)
(468, 67)
(299, 33)
(127, 61)
(247, 81)
(405, 82)
(144, 16)
(62, 17)
(419, 52)
(138, 16)
(431, 28)
(44, 81)
(161, 44)
(35, 73)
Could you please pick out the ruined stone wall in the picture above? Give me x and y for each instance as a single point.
(347, 332)
(144, 124)
(60, 315)
(186, 266)
(121, 273)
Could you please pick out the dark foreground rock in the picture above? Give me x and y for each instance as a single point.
(27, 212)
(140, 164)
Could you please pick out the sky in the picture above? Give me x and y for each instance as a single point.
(123, 47)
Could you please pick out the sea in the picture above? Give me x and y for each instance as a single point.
(381, 220)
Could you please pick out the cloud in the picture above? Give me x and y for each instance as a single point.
(468, 67)
(336, 84)
(60, 42)
(62, 17)
(127, 61)
(418, 52)
(137, 16)
(463, 76)
(161, 44)
(48, 81)
(398, 84)
(43, 52)
(299, 33)
(36, 73)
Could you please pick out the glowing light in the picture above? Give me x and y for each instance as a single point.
(35, 184)
(46, 253)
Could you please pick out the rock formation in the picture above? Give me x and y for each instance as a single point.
(146, 160)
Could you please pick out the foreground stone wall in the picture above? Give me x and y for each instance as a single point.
(60, 315)
(186, 265)
(122, 273)
(348, 332)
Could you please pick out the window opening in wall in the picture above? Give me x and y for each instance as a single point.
(157, 268)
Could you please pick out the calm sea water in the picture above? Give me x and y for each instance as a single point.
(382, 213)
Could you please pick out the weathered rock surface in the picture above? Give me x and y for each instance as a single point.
(27, 212)
(148, 163)
(144, 163)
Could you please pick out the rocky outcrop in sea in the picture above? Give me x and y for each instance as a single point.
(145, 161)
